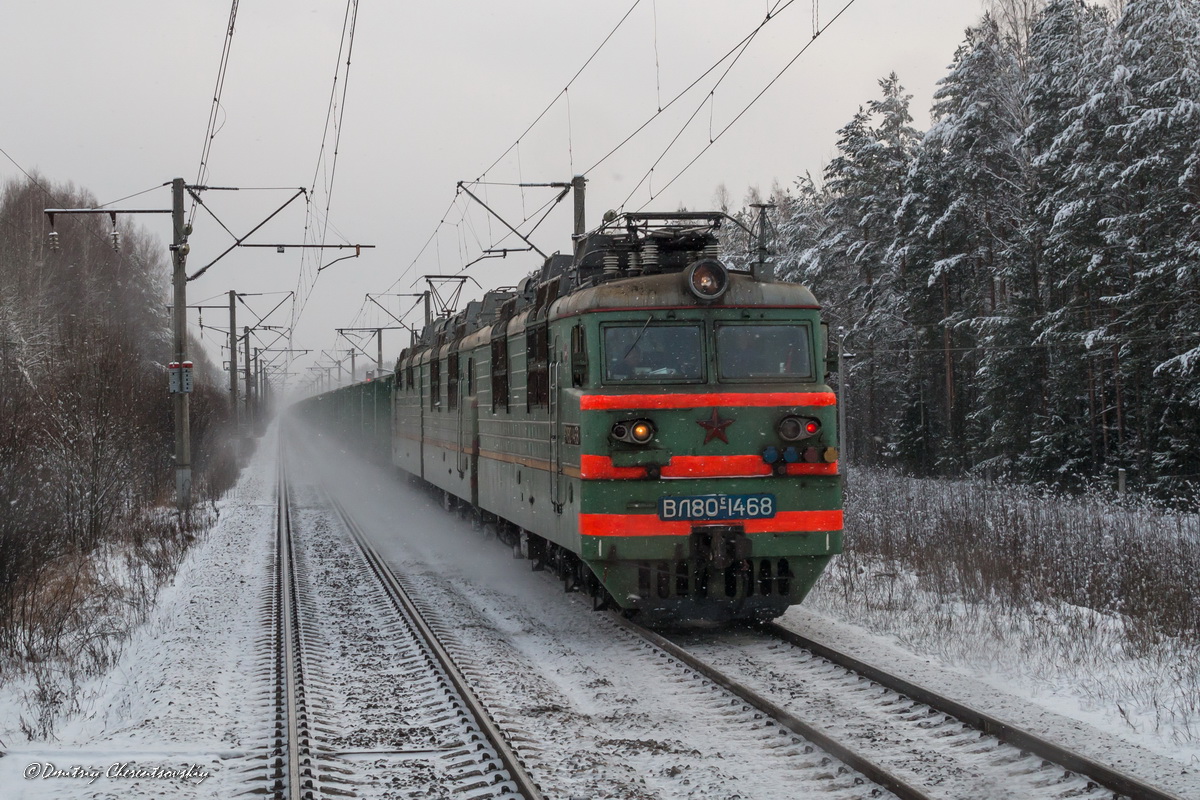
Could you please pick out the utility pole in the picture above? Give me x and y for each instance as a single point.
(263, 385)
(762, 270)
(378, 332)
(233, 367)
(248, 384)
(233, 351)
(843, 395)
(577, 184)
(233, 354)
(183, 441)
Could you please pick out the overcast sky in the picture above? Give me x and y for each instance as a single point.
(115, 97)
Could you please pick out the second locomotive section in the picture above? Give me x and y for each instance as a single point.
(670, 431)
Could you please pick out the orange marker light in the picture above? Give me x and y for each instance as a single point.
(642, 432)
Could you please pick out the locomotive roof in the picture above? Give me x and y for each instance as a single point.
(668, 290)
(631, 261)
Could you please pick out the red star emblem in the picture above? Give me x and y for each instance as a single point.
(714, 427)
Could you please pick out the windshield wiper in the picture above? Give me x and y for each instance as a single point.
(638, 338)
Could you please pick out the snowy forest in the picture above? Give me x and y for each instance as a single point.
(85, 418)
(1017, 289)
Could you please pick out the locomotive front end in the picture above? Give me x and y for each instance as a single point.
(708, 452)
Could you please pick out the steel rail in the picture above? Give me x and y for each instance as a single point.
(404, 603)
(873, 771)
(297, 781)
(1122, 783)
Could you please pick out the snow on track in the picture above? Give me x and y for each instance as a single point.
(593, 709)
(601, 713)
(177, 699)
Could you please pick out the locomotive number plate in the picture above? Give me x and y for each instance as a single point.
(717, 506)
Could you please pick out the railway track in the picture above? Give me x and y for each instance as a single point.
(293, 762)
(978, 755)
(876, 737)
(495, 757)
(308, 760)
(1120, 783)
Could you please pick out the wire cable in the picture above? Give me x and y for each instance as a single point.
(709, 99)
(770, 16)
(334, 116)
(574, 77)
(756, 98)
(212, 130)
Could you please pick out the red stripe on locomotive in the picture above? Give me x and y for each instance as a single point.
(651, 525)
(619, 402)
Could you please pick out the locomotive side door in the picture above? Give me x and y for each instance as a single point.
(422, 383)
(556, 460)
(468, 430)
(463, 435)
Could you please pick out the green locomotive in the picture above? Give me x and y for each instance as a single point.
(652, 425)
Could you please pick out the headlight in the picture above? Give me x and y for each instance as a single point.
(793, 429)
(638, 431)
(707, 279)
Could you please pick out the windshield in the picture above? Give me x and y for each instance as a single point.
(649, 352)
(747, 352)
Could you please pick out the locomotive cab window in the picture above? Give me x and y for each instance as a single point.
(764, 352)
(653, 353)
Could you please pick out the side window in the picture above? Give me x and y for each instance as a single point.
(537, 370)
(452, 380)
(499, 373)
(408, 376)
(470, 377)
(579, 360)
(435, 382)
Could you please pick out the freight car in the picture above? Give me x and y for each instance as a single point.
(651, 424)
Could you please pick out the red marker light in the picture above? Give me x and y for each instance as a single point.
(793, 429)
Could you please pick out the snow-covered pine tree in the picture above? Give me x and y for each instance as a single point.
(800, 223)
(983, 113)
(1154, 77)
(959, 238)
(1064, 51)
(864, 185)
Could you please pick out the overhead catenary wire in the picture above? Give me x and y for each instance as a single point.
(211, 129)
(780, 6)
(574, 77)
(131, 196)
(734, 53)
(657, 68)
(743, 46)
(771, 15)
(334, 117)
(754, 100)
(31, 177)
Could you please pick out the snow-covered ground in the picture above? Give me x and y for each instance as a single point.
(182, 698)
(176, 704)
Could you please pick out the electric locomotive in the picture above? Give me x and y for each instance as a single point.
(653, 425)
